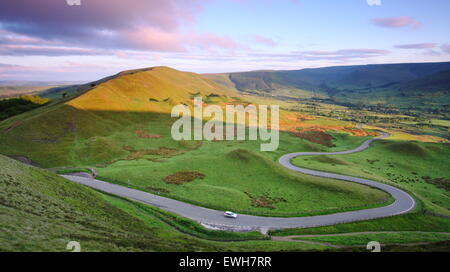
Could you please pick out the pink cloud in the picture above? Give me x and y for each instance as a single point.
(416, 46)
(396, 22)
(44, 50)
(103, 25)
(151, 39)
(211, 40)
(320, 53)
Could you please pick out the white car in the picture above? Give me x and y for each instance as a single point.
(230, 214)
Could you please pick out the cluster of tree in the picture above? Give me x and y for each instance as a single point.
(13, 106)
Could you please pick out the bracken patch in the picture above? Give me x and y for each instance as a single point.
(264, 201)
(442, 183)
(318, 137)
(142, 134)
(162, 151)
(182, 177)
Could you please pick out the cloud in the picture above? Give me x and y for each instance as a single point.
(396, 22)
(431, 49)
(446, 48)
(151, 38)
(55, 19)
(207, 40)
(156, 25)
(49, 51)
(416, 46)
(4, 67)
(12, 70)
(264, 40)
(342, 54)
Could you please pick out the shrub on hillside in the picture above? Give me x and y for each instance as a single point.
(14, 106)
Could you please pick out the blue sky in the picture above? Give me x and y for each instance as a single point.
(49, 40)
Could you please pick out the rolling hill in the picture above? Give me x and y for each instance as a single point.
(57, 134)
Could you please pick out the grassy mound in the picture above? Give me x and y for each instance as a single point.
(408, 148)
(330, 159)
(241, 155)
(99, 149)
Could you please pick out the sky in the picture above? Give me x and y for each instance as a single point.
(50, 40)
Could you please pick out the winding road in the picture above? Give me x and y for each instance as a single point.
(214, 219)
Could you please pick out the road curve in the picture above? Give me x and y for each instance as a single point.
(212, 218)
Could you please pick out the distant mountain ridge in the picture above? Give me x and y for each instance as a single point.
(339, 77)
(341, 81)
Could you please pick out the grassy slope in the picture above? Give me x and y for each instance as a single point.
(415, 221)
(383, 238)
(43, 212)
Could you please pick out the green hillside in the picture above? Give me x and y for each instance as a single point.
(43, 212)
(437, 82)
